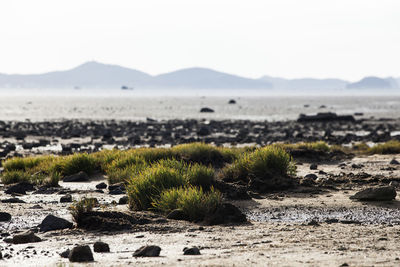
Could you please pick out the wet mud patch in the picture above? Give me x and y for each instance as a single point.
(300, 214)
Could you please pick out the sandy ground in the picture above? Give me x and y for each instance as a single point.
(278, 234)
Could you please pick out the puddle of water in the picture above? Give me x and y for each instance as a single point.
(364, 215)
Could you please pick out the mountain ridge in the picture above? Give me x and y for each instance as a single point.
(93, 74)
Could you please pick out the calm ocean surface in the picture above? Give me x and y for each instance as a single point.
(39, 105)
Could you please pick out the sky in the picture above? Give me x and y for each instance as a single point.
(346, 39)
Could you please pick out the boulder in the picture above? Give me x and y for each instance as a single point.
(4, 216)
(147, 251)
(394, 162)
(25, 237)
(51, 223)
(81, 254)
(101, 247)
(385, 193)
(77, 177)
(123, 200)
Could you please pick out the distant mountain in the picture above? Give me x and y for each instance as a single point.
(90, 74)
(305, 83)
(374, 83)
(97, 75)
(206, 78)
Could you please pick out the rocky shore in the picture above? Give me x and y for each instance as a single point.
(68, 136)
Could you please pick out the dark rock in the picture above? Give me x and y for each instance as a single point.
(357, 166)
(66, 199)
(12, 200)
(307, 181)
(65, 253)
(101, 247)
(325, 117)
(25, 237)
(117, 191)
(112, 187)
(205, 109)
(80, 254)
(226, 213)
(123, 200)
(313, 166)
(147, 251)
(203, 131)
(394, 162)
(191, 251)
(385, 193)
(77, 177)
(311, 176)
(51, 223)
(20, 188)
(177, 214)
(232, 101)
(101, 185)
(4, 216)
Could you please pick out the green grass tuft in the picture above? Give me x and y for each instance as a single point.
(15, 176)
(192, 201)
(390, 147)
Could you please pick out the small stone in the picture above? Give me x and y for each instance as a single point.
(147, 251)
(65, 253)
(123, 200)
(101, 185)
(25, 237)
(232, 101)
(81, 254)
(313, 166)
(357, 166)
(191, 251)
(77, 177)
(51, 223)
(101, 247)
(311, 176)
(66, 199)
(12, 200)
(207, 110)
(384, 193)
(4, 216)
(19, 188)
(394, 162)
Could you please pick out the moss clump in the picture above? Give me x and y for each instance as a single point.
(192, 201)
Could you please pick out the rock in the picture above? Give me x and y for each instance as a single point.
(191, 251)
(385, 193)
(77, 177)
(394, 162)
(123, 200)
(203, 131)
(324, 117)
(51, 223)
(226, 213)
(20, 188)
(25, 237)
(101, 185)
(66, 199)
(147, 251)
(101, 247)
(313, 166)
(356, 166)
(80, 254)
(311, 176)
(205, 109)
(307, 181)
(65, 253)
(117, 191)
(4, 216)
(177, 214)
(1, 255)
(232, 101)
(112, 187)
(12, 200)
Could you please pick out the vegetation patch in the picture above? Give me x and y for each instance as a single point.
(390, 147)
(193, 202)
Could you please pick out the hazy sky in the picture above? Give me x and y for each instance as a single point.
(290, 38)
